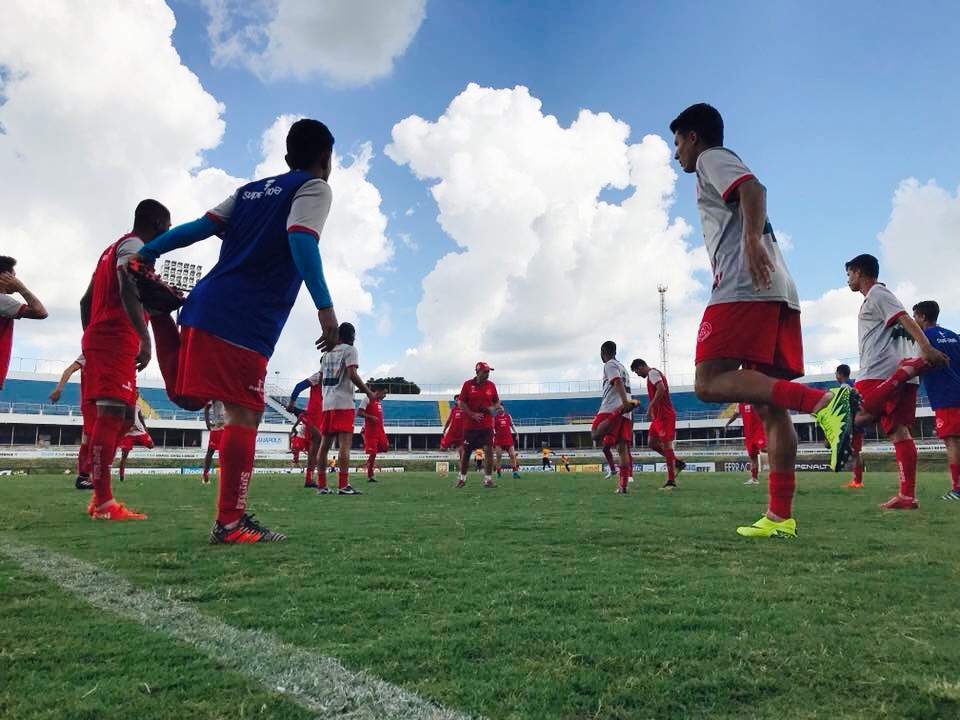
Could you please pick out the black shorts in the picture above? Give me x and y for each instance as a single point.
(478, 437)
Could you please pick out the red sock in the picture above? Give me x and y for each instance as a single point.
(795, 396)
(671, 465)
(309, 476)
(237, 449)
(858, 473)
(343, 478)
(83, 459)
(516, 467)
(370, 465)
(906, 451)
(103, 447)
(781, 487)
(754, 468)
(955, 475)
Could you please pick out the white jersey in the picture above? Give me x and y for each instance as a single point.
(880, 351)
(337, 385)
(9, 306)
(81, 361)
(719, 173)
(217, 413)
(613, 370)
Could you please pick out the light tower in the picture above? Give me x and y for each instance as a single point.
(662, 289)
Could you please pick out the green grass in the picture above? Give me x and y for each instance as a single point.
(548, 597)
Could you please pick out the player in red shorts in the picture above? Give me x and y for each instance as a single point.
(754, 439)
(614, 419)
(116, 344)
(214, 417)
(374, 435)
(12, 309)
(339, 370)
(298, 441)
(137, 436)
(749, 345)
(663, 419)
(312, 419)
(452, 434)
(479, 401)
(89, 413)
(503, 432)
(842, 373)
(232, 319)
(943, 389)
(886, 380)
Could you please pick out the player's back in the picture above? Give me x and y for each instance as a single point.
(943, 384)
(247, 295)
(109, 324)
(337, 385)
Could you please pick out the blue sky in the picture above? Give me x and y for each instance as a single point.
(832, 105)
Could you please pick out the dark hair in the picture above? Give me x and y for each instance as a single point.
(307, 142)
(843, 369)
(704, 120)
(637, 362)
(456, 397)
(609, 347)
(929, 309)
(348, 333)
(149, 213)
(866, 264)
(6, 263)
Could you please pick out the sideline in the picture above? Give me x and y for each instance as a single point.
(316, 682)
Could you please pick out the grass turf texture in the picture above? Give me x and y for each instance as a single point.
(547, 597)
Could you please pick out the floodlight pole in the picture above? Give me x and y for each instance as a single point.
(662, 289)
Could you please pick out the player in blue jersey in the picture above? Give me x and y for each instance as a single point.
(233, 317)
(943, 388)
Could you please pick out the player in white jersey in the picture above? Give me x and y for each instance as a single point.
(614, 419)
(339, 369)
(749, 345)
(886, 380)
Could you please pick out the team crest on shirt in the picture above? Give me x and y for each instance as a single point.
(940, 423)
(704, 332)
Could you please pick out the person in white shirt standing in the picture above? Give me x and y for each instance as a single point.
(339, 370)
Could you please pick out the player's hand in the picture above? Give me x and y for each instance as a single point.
(54, 396)
(141, 259)
(9, 283)
(934, 357)
(759, 262)
(330, 329)
(143, 357)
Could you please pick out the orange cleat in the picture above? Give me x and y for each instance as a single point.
(116, 511)
(854, 485)
(899, 502)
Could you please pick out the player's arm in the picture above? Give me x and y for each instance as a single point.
(64, 378)
(928, 351)
(86, 304)
(736, 414)
(358, 382)
(181, 236)
(206, 416)
(33, 309)
(753, 210)
(134, 310)
(297, 389)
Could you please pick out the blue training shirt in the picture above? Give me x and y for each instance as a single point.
(943, 384)
(247, 296)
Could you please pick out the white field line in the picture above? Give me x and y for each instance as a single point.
(316, 682)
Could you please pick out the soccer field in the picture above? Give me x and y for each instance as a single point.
(546, 597)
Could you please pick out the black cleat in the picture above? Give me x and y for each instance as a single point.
(680, 466)
(83, 482)
(247, 531)
(348, 490)
(155, 294)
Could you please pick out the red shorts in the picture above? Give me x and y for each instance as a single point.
(664, 426)
(901, 409)
(948, 422)
(337, 421)
(620, 429)
(506, 446)
(312, 420)
(451, 440)
(755, 444)
(298, 443)
(856, 441)
(110, 375)
(478, 437)
(216, 437)
(127, 442)
(375, 441)
(763, 336)
(210, 368)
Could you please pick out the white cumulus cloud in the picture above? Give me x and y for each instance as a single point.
(346, 41)
(98, 113)
(545, 270)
